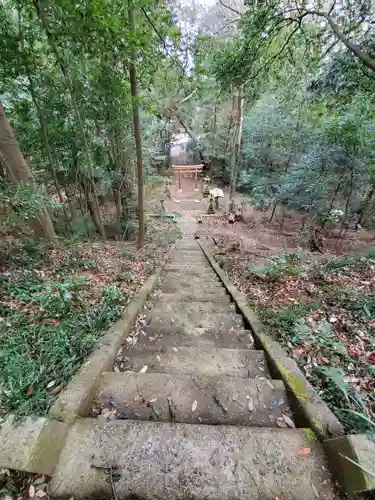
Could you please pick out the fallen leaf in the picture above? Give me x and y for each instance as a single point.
(153, 400)
(250, 404)
(29, 390)
(280, 422)
(304, 452)
(40, 494)
(288, 421)
(194, 407)
(299, 351)
(315, 491)
(39, 480)
(32, 491)
(175, 349)
(325, 361)
(51, 384)
(143, 369)
(57, 390)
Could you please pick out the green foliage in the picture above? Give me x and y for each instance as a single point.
(321, 336)
(23, 252)
(47, 332)
(129, 229)
(129, 254)
(279, 266)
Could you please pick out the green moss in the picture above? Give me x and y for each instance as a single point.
(310, 435)
(297, 385)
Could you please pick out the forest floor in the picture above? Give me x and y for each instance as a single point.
(56, 302)
(320, 307)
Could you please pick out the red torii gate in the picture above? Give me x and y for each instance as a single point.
(195, 169)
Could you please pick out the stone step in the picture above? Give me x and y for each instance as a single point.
(185, 321)
(194, 310)
(193, 254)
(173, 284)
(190, 246)
(203, 272)
(202, 360)
(234, 338)
(219, 400)
(199, 295)
(186, 262)
(164, 461)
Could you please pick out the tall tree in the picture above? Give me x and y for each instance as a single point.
(18, 172)
(137, 127)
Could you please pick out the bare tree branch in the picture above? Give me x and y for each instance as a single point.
(162, 40)
(188, 97)
(332, 7)
(226, 25)
(230, 8)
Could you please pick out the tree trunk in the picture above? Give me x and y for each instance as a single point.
(137, 127)
(77, 113)
(237, 146)
(347, 204)
(324, 222)
(18, 172)
(364, 205)
(275, 203)
(47, 146)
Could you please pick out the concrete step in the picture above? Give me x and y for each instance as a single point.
(234, 338)
(244, 363)
(220, 400)
(185, 321)
(164, 461)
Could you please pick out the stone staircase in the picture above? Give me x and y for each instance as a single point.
(194, 412)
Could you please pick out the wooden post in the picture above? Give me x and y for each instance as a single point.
(196, 178)
(179, 180)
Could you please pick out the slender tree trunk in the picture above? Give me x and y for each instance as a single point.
(19, 172)
(137, 127)
(275, 203)
(347, 204)
(331, 204)
(47, 146)
(237, 145)
(77, 113)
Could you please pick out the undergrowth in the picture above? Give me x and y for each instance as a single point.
(50, 321)
(47, 332)
(330, 334)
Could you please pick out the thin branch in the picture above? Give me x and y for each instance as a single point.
(278, 53)
(230, 8)
(332, 7)
(162, 40)
(226, 26)
(188, 97)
